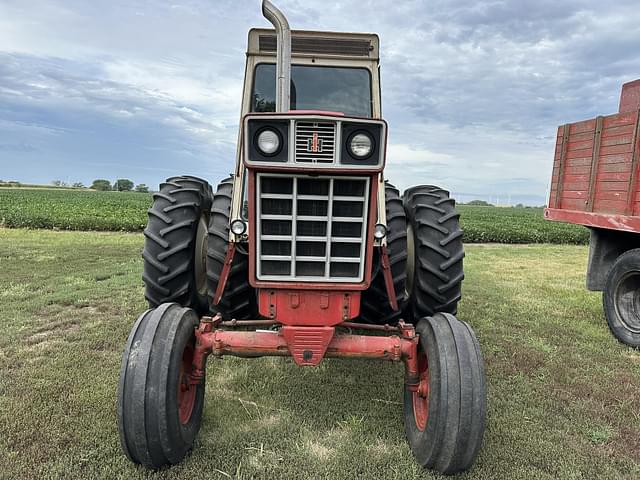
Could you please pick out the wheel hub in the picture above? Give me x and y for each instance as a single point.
(186, 390)
(411, 260)
(627, 301)
(420, 397)
(200, 257)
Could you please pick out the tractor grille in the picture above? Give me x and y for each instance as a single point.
(315, 142)
(311, 228)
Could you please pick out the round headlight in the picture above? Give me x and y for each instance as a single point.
(268, 141)
(379, 232)
(361, 145)
(238, 227)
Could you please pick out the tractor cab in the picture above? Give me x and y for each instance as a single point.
(333, 72)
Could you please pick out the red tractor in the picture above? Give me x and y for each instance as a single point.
(302, 246)
(595, 183)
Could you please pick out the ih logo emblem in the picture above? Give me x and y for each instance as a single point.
(314, 144)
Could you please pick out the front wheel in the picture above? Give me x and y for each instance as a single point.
(445, 417)
(159, 410)
(621, 298)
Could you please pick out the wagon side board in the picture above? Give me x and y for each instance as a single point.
(596, 166)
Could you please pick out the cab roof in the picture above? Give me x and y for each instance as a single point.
(306, 43)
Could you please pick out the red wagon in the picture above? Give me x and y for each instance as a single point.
(596, 183)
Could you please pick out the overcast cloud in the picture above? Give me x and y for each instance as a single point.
(473, 90)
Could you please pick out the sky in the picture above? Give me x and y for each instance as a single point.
(473, 90)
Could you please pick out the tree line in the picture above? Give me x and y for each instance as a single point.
(103, 185)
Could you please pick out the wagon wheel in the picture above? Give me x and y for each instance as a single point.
(621, 298)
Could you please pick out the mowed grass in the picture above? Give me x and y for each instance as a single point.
(563, 394)
(62, 209)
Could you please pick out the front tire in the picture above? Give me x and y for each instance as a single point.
(445, 419)
(621, 298)
(159, 412)
(175, 244)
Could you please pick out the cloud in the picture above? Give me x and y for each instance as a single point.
(473, 90)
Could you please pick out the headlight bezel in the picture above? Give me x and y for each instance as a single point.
(376, 133)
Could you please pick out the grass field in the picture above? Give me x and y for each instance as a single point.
(563, 394)
(118, 211)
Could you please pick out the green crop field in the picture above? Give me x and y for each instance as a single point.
(563, 394)
(73, 209)
(516, 225)
(119, 211)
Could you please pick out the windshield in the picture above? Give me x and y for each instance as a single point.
(336, 89)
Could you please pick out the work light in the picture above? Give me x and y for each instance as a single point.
(379, 232)
(238, 227)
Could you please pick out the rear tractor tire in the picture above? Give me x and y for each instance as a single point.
(445, 419)
(621, 298)
(434, 252)
(159, 411)
(375, 306)
(238, 297)
(175, 244)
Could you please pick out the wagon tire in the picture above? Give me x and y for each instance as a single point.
(238, 298)
(445, 419)
(434, 252)
(621, 298)
(375, 306)
(159, 412)
(175, 244)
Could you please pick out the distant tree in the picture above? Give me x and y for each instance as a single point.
(480, 203)
(142, 188)
(101, 184)
(78, 185)
(123, 185)
(519, 205)
(59, 183)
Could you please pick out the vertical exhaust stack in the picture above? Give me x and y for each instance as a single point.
(283, 58)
